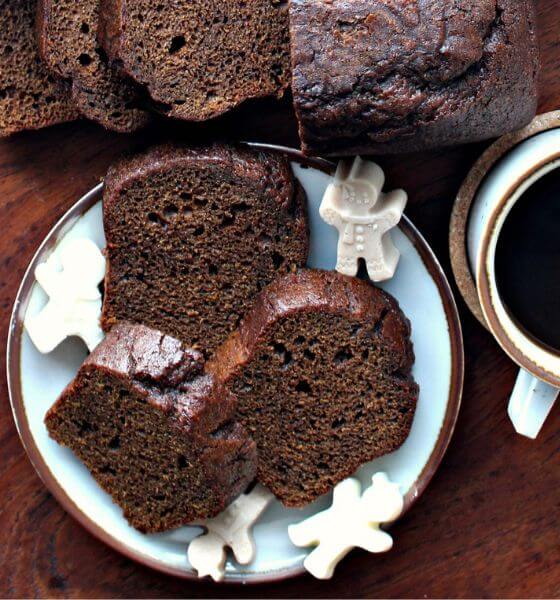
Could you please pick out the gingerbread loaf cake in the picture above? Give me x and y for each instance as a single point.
(321, 366)
(67, 33)
(156, 432)
(200, 58)
(387, 76)
(30, 97)
(194, 234)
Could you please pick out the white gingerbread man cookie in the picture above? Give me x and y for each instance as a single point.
(352, 521)
(232, 528)
(70, 277)
(355, 204)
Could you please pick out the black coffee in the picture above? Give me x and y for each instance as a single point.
(528, 260)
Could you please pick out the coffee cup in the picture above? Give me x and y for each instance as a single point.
(538, 382)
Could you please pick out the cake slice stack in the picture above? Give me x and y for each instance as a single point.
(68, 44)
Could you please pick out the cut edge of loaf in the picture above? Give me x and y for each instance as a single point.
(45, 100)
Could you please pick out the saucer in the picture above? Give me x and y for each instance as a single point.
(35, 380)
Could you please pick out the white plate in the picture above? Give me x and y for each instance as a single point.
(35, 380)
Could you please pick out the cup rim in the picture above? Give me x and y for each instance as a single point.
(486, 281)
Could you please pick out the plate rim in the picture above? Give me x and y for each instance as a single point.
(13, 374)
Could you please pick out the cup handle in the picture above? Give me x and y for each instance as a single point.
(529, 403)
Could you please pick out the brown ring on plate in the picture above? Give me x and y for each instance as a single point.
(462, 206)
(16, 398)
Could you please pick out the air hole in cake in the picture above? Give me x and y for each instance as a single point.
(308, 354)
(338, 422)
(228, 220)
(265, 240)
(85, 427)
(342, 356)
(277, 260)
(170, 211)
(185, 195)
(303, 386)
(177, 43)
(299, 340)
(283, 353)
(212, 269)
(199, 230)
(182, 462)
(115, 443)
(84, 28)
(84, 59)
(107, 470)
(201, 201)
(240, 207)
(365, 354)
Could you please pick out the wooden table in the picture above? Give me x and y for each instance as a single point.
(488, 525)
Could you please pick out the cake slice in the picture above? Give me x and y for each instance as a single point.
(30, 98)
(194, 234)
(155, 431)
(200, 58)
(68, 45)
(321, 366)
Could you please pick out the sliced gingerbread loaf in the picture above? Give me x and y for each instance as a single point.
(68, 45)
(200, 58)
(321, 366)
(30, 97)
(383, 76)
(155, 431)
(194, 234)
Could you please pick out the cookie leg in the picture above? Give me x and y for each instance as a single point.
(347, 261)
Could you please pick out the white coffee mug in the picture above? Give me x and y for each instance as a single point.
(538, 382)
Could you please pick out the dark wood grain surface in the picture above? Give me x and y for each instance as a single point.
(488, 525)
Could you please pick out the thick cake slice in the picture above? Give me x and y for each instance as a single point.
(193, 234)
(30, 98)
(321, 366)
(68, 45)
(154, 430)
(200, 58)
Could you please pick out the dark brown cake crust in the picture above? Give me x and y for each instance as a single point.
(155, 431)
(321, 367)
(200, 58)
(384, 76)
(194, 233)
(30, 97)
(67, 35)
